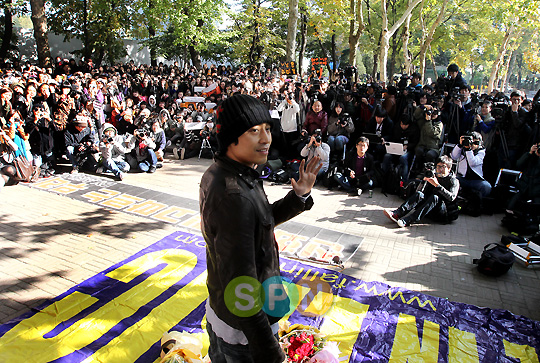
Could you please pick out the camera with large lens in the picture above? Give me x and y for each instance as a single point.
(142, 133)
(318, 138)
(344, 120)
(108, 140)
(467, 141)
(429, 169)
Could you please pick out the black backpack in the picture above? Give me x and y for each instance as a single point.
(496, 260)
(393, 183)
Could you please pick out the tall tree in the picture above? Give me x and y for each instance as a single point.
(356, 28)
(291, 30)
(8, 30)
(427, 38)
(41, 32)
(386, 34)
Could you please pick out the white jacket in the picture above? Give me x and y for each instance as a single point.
(118, 148)
(288, 115)
(475, 162)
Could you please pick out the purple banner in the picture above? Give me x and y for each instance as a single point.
(120, 314)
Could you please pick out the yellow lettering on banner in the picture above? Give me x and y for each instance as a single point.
(146, 208)
(86, 330)
(136, 339)
(289, 242)
(321, 249)
(193, 222)
(172, 214)
(525, 353)
(49, 183)
(102, 194)
(462, 346)
(69, 188)
(21, 343)
(121, 201)
(342, 324)
(406, 346)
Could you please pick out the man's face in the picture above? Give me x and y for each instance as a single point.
(442, 170)
(379, 120)
(486, 108)
(528, 107)
(415, 81)
(465, 93)
(253, 146)
(453, 74)
(361, 148)
(109, 132)
(404, 126)
(516, 99)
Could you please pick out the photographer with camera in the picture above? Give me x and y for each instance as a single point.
(316, 148)
(528, 185)
(431, 131)
(80, 145)
(290, 110)
(143, 156)
(455, 79)
(515, 132)
(469, 154)
(113, 148)
(435, 197)
(340, 127)
(382, 126)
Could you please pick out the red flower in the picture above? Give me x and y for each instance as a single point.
(301, 347)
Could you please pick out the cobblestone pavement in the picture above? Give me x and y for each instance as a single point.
(51, 242)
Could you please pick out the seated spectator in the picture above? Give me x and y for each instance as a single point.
(158, 136)
(113, 148)
(407, 133)
(435, 197)
(316, 118)
(200, 112)
(7, 171)
(340, 127)
(470, 157)
(528, 185)
(190, 145)
(359, 169)
(80, 145)
(143, 156)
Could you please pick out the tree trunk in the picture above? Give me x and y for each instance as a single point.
(303, 42)
(496, 65)
(356, 28)
(195, 57)
(519, 62)
(87, 52)
(291, 30)
(405, 36)
(433, 65)
(152, 33)
(40, 32)
(8, 30)
(508, 67)
(255, 47)
(427, 42)
(334, 58)
(387, 33)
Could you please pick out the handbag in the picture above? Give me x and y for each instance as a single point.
(24, 170)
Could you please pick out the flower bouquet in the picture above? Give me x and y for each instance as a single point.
(181, 347)
(305, 344)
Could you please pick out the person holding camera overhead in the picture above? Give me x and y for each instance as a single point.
(435, 197)
(340, 127)
(469, 154)
(113, 148)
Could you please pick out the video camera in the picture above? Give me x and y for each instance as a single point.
(429, 169)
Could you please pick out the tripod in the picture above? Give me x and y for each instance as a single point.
(205, 145)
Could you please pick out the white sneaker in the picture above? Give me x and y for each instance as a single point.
(175, 152)
(182, 153)
(359, 192)
(401, 223)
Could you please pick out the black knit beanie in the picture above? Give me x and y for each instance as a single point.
(236, 115)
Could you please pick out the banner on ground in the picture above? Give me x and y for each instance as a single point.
(120, 315)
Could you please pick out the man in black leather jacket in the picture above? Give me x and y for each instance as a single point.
(237, 223)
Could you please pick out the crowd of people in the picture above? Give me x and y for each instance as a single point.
(125, 118)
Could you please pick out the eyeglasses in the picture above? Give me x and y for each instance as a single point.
(443, 166)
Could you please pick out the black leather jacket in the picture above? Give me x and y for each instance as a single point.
(237, 223)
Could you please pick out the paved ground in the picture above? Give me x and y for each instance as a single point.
(50, 242)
